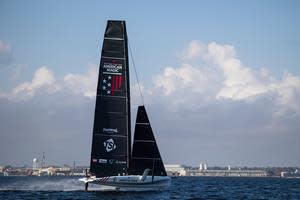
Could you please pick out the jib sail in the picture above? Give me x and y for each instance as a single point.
(145, 153)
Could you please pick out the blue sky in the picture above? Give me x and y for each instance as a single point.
(46, 46)
(55, 32)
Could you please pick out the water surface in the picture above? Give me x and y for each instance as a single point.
(182, 188)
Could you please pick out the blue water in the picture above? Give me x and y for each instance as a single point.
(182, 188)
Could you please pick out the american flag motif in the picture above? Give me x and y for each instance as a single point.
(104, 179)
(111, 83)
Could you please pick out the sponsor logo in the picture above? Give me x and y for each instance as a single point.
(110, 130)
(111, 83)
(120, 162)
(94, 160)
(112, 67)
(102, 160)
(113, 161)
(109, 145)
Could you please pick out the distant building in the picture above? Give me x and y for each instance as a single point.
(233, 173)
(202, 166)
(35, 164)
(43, 163)
(175, 170)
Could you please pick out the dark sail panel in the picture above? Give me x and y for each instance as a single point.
(145, 153)
(111, 145)
(115, 29)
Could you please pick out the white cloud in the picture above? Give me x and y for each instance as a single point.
(213, 72)
(288, 93)
(84, 84)
(186, 84)
(208, 73)
(194, 50)
(43, 79)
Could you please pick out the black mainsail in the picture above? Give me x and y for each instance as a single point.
(111, 145)
(145, 153)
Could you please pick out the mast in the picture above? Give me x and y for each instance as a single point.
(128, 99)
(111, 143)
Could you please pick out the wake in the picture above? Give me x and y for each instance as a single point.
(41, 184)
(55, 183)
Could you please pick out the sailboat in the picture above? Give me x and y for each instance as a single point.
(113, 163)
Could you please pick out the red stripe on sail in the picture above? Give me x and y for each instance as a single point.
(113, 85)
(120, 82)
(117, 82)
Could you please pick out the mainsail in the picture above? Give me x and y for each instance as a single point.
(111, 145)
(145, 153)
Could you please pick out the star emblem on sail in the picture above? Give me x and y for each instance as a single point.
(111, 83)
(109, 145)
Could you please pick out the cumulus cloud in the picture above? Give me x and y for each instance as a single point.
(5, 53)
(207, 73)
(194, 50)
(43, 79)
(186, 77)
(44, 82)
(84, 84)
(213, 71)
(287, 92)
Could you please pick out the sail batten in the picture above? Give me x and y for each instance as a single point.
(144, 158)
(107, 38)
(144, 141)
(106, 57)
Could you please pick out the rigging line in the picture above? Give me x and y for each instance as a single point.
(136, 76)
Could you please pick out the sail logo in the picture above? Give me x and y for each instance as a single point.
(112, 67)
(110, 130)
(120, 162)
(111, 83)
(113, 161)
(109, 145)
(102, 160)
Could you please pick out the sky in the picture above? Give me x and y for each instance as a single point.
(220, 79)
